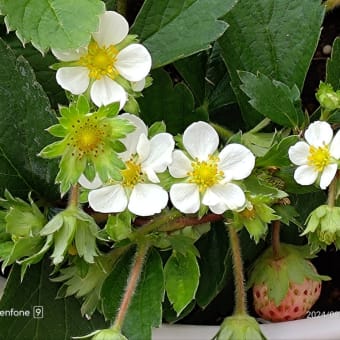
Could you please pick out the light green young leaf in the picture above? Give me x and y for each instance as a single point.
(51, 23)
(273, 99)
(258, 40)
(181, 279)
(174, 29)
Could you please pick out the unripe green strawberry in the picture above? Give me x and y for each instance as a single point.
(285, 286)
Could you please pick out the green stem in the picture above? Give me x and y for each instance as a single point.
(332, 192)
(276, 239)
(263, 123)
(240, 294)
(135, 272)
(74, 196)
(222, 131)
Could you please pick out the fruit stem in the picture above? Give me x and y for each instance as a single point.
(276, 239)
(240, 294)
(136, 269)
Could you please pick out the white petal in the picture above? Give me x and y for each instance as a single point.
(108, 199)
(71, 55)
(143, 147)
(298, 153)
(74, 79)
(327, 175)
(180, 165)
(305, 175)
(133, 62)
(113, 28)
(138, 86)
(230, 195)
(160, 155)
(85, 183)
(335, 146)
(236, 161)
(151, 174)
(201, 140)
(319, 133)
(131, 140)
(106, 91)
(185, 197)
(147, 199)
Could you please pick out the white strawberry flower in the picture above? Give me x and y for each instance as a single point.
(207, 175)
(317, 157)
(101, 65)
(139, 190)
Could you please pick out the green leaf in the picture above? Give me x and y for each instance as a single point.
(333, 66)
(181, 279)
(172, 104)
(174, 29)
(259, 40)
(213, 265)
(50, 23)
(145, 309)
(61, 318)
(273, 99)
(277, 155)
(25, 112)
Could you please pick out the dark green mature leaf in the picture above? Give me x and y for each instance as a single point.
(60, 319)
(213, 265)
(278, 153)
(172, 104)
(273, 99)
(50, 23)
(259, 40)
(333, 66)
(181, 279)
(174, 29)
(25, 113)
(146, 306)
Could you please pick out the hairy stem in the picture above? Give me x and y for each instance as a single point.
(263, 123)
(276, 238)
(332, 191)
(222, 131)
(74, 196)
(136, 269)
(240, 294)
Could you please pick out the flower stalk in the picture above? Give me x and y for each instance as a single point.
(240, 294)
(276, 239)
(332, 192)
(132, 282)
(73, 200)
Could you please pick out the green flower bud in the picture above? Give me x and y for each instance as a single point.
(240, 327)
(109, 334)
(327, 97)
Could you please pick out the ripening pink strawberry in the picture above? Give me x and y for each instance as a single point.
(298, 301)
(285, 286)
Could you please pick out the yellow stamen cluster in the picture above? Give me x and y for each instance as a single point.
(132, 174)
(205, 173)
(88, 137)
(319, 157)
(100, 61)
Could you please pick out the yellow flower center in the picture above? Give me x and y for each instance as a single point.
(205, 173)
(100, 61)
(132, 174)
(319, 157)
(88, 137)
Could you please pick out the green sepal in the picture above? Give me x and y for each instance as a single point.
(110, 110)
(156, 128)
(57, 130)
(291, 266)
(53, 150)
(118, 226)
(240, 327)
(83, 105)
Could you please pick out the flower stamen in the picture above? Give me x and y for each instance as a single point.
(319, 157)
(100, 61)
(132, 174)
(205, 173)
